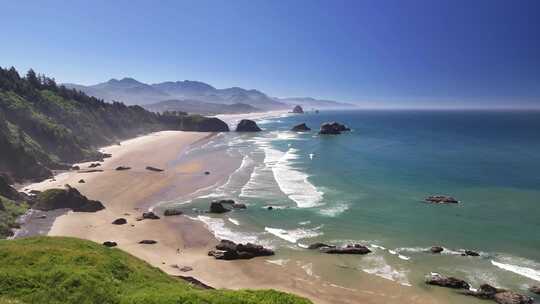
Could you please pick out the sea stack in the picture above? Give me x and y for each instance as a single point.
(246, 125)
(333, 128)
(300, 128)
(298, 110)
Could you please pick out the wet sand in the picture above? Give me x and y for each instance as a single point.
(182, 241)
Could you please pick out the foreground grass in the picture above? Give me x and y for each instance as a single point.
(69, 270)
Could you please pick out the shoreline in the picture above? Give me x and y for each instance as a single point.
(128, 193)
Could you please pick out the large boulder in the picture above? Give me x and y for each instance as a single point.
(510, 297)
(229, 250)
(320, 245)
(300, 128)
(217, 207)
(119, 221)
(199, 123)
(298, 110)
(246, 125)
(441, 199)
(333, 128)
(172, 211)
(150, 216)
(449, 282)
(349, 249)
(69, 198)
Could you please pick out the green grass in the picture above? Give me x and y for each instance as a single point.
(9, 211)
(69, 270)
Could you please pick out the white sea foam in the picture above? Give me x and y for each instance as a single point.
(528, 272)
(304, 223)
(406, 258)
(236, 222)
(220, 231)
(335, 210)
(293, 236)
(292, 182)
(308, 268)
(392, 252)
(378, 266)
(280, 262)
(378, 246)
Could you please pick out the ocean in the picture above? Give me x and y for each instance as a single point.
(367, 186)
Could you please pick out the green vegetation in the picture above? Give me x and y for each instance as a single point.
(9, 212)
(67, 270)
(44, 126)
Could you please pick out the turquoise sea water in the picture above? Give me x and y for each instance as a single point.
(367, 186)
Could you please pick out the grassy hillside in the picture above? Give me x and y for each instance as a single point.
(67, 270)
(44, 126)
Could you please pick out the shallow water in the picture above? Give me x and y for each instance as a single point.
(367, 186)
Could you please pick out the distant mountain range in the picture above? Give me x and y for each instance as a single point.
(184, 96)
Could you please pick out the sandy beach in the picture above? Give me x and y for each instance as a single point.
(182, 241)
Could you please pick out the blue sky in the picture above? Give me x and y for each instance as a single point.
(404, 53)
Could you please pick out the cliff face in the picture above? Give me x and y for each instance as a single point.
(44, 126)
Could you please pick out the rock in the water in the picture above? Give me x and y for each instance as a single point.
(441, 199)
(148, 242)
(300, 128)
(470, 253)
(320, 245)
(333, 128)
(69, 198)
(535, 289)
(75, 168)
(81, 181)
(298, 110)
(109, 244)
(121, 168)
(119, 221)
(228, 250)
(150, 168)
(217, 207)
(510, 297)
(246, 125)
(436, 249)
(485, 292)
(171, 212)
(270, 208)
(239, 206)
(450, 282)
(349, 249)
(150, 216)
(93, 165)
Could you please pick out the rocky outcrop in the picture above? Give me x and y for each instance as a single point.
(320, 245)
(119, 221)
(349, 249)
(449, 282)
(148, 242)
(121, 168)
(172, 212)
(199, 123)
(436, 249)
(300, 128)
(441, 199)
(470, 253)
(485, 291)
(7, 191)
(298, 110)
(501, 296)
(229, 250)
(332, 128)
(217, 207)
(150, 216)
(69, 198)
(246, 125)
(109, 244)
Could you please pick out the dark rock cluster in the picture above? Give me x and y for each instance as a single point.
(229, 250)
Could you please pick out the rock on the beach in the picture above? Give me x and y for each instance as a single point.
(441, 199)
(217, 207)
(229, 250)
(510, 297)
(535, 289)
(470, 253)
(206, 172)
(300, 128)
(93, 165)
(320, 245)
(150, 216)
(69, 198)
(246, 125)
(109, 244)
(119, 221)
(333, 128)
(450, 282)
(150, 168)
(81, 181)
(148, 242)
(75, 168)
(121, 168)
(171, 212)
(298, 110)
(349, 249)
(436, 249)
